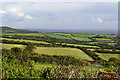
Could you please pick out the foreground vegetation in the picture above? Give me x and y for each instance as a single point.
(56, 66)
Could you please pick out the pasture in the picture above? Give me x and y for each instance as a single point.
(81, 38)
(23, 34)
(109, 43)
(63, 52)
(9, 46)
(102, 39)
(83, 35)
(23, 40)
(57, 36)
(79, 45)
(108, 35)
(106, 56)
(77, 53)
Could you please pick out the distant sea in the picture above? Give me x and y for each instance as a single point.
(75, 31)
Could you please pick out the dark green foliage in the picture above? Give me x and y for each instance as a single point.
(13, 67)
(113, 59)
(30, 48)
(107, 51)
(16, 50)
(46, 73)
(92, 54)
(114, 62)
(104, 46)
(16, 67)
(60, 60)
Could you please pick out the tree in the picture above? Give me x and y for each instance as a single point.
(18, 52)
(29, 49)
(112, 59)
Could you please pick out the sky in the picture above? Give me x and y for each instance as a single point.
(60, 15)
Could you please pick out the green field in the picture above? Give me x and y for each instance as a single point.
(95, 42)
(23, 34)
(106, 56)
(78, 45)
(81, 38)
(102, 39)
(9, 46)
(65, 34)
(54, 51)
(32, 34)
(63, 51)
(107, 35)
(23, 40)
(83, 35)
(111, 43)
(57, 36)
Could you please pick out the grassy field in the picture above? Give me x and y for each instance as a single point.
(106, 56)
(111, 43)
(22, 40)
(95, 42)
(87, 46)
(83, 35)
(23, 34)
(102, 39)
(63, 51)
(54, 51)
(65, 34)
(108, 35)
(57, 36)
(32, 34)
(9, 46)
(81, 38)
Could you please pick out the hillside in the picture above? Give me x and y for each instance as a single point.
(6, 29)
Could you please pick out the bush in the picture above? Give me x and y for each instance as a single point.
(112, 59)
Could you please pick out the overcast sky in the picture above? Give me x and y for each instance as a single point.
(60, 15)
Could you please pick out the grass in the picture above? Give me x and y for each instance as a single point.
(95, 42)
(66, 34)
(81, 38)
(106, 56)
(40, 66)
(9, 46)
(111, 43)
(83, 35)
(108, 35)
(32, 34)
(87, 46)
(22, 40)
(54, 51)
(102, 39)
(9, 34)
(57, 36)
(64, 52)
(23, 34)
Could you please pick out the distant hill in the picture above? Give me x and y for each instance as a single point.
(6, 29)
